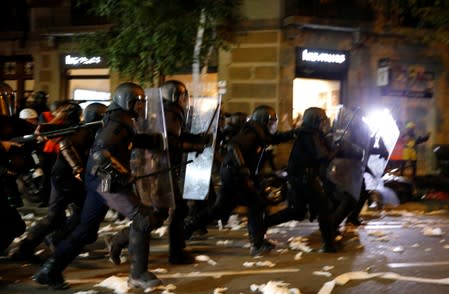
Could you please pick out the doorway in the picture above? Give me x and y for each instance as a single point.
(309, 92)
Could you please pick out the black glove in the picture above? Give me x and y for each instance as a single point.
(207, 139)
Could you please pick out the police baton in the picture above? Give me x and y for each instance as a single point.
(163, 170)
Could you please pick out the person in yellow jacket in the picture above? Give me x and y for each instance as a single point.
(411, 140)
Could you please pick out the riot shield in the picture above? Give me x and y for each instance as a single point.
(155, 190)
(205, 115)
(385, 133)
(353, 135)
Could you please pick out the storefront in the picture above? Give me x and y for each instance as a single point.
(320, 77)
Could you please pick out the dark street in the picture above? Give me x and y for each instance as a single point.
(407, 247)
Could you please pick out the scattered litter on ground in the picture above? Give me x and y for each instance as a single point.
(274, 287)
(205, 258)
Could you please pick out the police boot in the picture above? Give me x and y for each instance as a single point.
(176, 235)
(51, 274)
(116, 243)
(328, 236)
(139, 248)
(260, 249)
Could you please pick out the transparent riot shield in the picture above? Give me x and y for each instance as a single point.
(155, 190)
(353, 136)
(205, 113)
(385, 133)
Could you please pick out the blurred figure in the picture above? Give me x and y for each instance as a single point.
(109, 184)
(310, 155)
(40, 104)
(67, 188)
(11, 223)
(240, 177)
(411, 141)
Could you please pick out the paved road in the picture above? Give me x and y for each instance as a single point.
(413, 245)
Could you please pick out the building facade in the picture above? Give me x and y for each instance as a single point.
(289, 54)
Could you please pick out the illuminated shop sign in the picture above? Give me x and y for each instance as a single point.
(320, 56)
(81, 60)
(323, 63)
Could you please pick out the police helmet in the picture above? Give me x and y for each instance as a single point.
(173, 90)
(266, 116)
(94, 112)
(314, 117)
(127, 94)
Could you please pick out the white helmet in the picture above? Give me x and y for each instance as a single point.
(28, 113)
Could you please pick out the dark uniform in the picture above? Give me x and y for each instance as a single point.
(180, 141)
(67, 187)
(108, 185)
(176, 101)
(309, 157)
(239, 174)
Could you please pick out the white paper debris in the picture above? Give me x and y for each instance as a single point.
(360, 275)
(205, 258)
(119, 285)
(220, 290)
(322, 273)
(427, 231)
(166, 289)
(398, 249)
(299, 243)
(259, 264)
(161, 231)
(298, 256)
(274, 287)
(84, 255)
(224, 242)
(87, 292)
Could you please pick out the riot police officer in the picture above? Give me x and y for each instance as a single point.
(176, 102)
(109, 185)
(239, 173)
(180, 141)
(67, 187)
(309, 157)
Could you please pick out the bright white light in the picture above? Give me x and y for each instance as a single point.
(379, 120)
